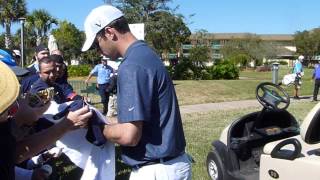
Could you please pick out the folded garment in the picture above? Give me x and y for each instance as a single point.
(95, 130)
(97, 162)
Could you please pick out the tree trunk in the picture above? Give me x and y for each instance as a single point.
(38, 40)
(8, 35)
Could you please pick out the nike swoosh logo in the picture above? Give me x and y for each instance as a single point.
(130, 109)
(98, 25)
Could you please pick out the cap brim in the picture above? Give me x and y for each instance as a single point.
(18, 71)
(88, 43)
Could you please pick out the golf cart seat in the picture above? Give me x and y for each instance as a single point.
(299, 154)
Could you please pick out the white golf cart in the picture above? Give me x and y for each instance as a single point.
(268, 144)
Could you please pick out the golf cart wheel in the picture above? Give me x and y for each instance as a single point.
(215, 166)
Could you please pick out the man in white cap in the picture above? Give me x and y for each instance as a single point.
(298, 71)
(149, 128)
(12, 151)
(103, 72)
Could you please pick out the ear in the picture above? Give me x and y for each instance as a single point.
(110, 33)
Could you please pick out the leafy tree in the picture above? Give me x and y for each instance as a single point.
(139, 11)
(10, 12)
(251, 46)
(201, 37)
(69, 39)
(165, 30)
(2, 41)
(241, 59)
(308, 43)
(199, 55)
(40, 21)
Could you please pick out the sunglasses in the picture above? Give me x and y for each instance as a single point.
(40, 98)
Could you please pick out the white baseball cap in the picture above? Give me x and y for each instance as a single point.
(16, 52)
(97, 19)
(301, 57)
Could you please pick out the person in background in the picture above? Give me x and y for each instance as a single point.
(41, 51)
(149, 129)
(316, 77)
(17, 56)
(103, 72)
(62, 78)
(298, 70)
(57, 52)
(7, 58)
(48, 77)
(15, 151)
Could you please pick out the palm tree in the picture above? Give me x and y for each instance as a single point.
(10, 12)
(41, 22)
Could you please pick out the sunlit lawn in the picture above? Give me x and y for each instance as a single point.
(201, 91)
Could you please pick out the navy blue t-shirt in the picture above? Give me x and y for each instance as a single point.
(39, 85)
(28, 81)
(146, 93)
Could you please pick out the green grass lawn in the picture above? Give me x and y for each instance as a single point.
(210, 91)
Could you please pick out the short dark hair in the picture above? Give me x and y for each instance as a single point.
(45, 60)
(57, 58)
(120, 24)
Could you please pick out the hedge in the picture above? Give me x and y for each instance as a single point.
(79, 70)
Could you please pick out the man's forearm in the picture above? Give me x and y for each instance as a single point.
(89, 77)
(35, 143)
(127, 134)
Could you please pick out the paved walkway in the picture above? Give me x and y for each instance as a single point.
(228, 105)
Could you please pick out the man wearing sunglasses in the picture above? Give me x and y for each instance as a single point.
(149, 128)
(12, 151)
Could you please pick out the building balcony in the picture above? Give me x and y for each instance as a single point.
(216, 46)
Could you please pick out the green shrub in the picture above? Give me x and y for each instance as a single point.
(283, 62)
(225, 70)
(183, 70)
(170, 70)
(205, 75)
(79, 70)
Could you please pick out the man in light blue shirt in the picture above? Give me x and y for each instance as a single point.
(103, 72)
(298, 70)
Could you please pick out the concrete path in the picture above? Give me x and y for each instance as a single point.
(229, 105)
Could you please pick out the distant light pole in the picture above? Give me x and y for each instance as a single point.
(22, 20)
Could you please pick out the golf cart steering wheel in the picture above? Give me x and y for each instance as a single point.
(272, 96)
